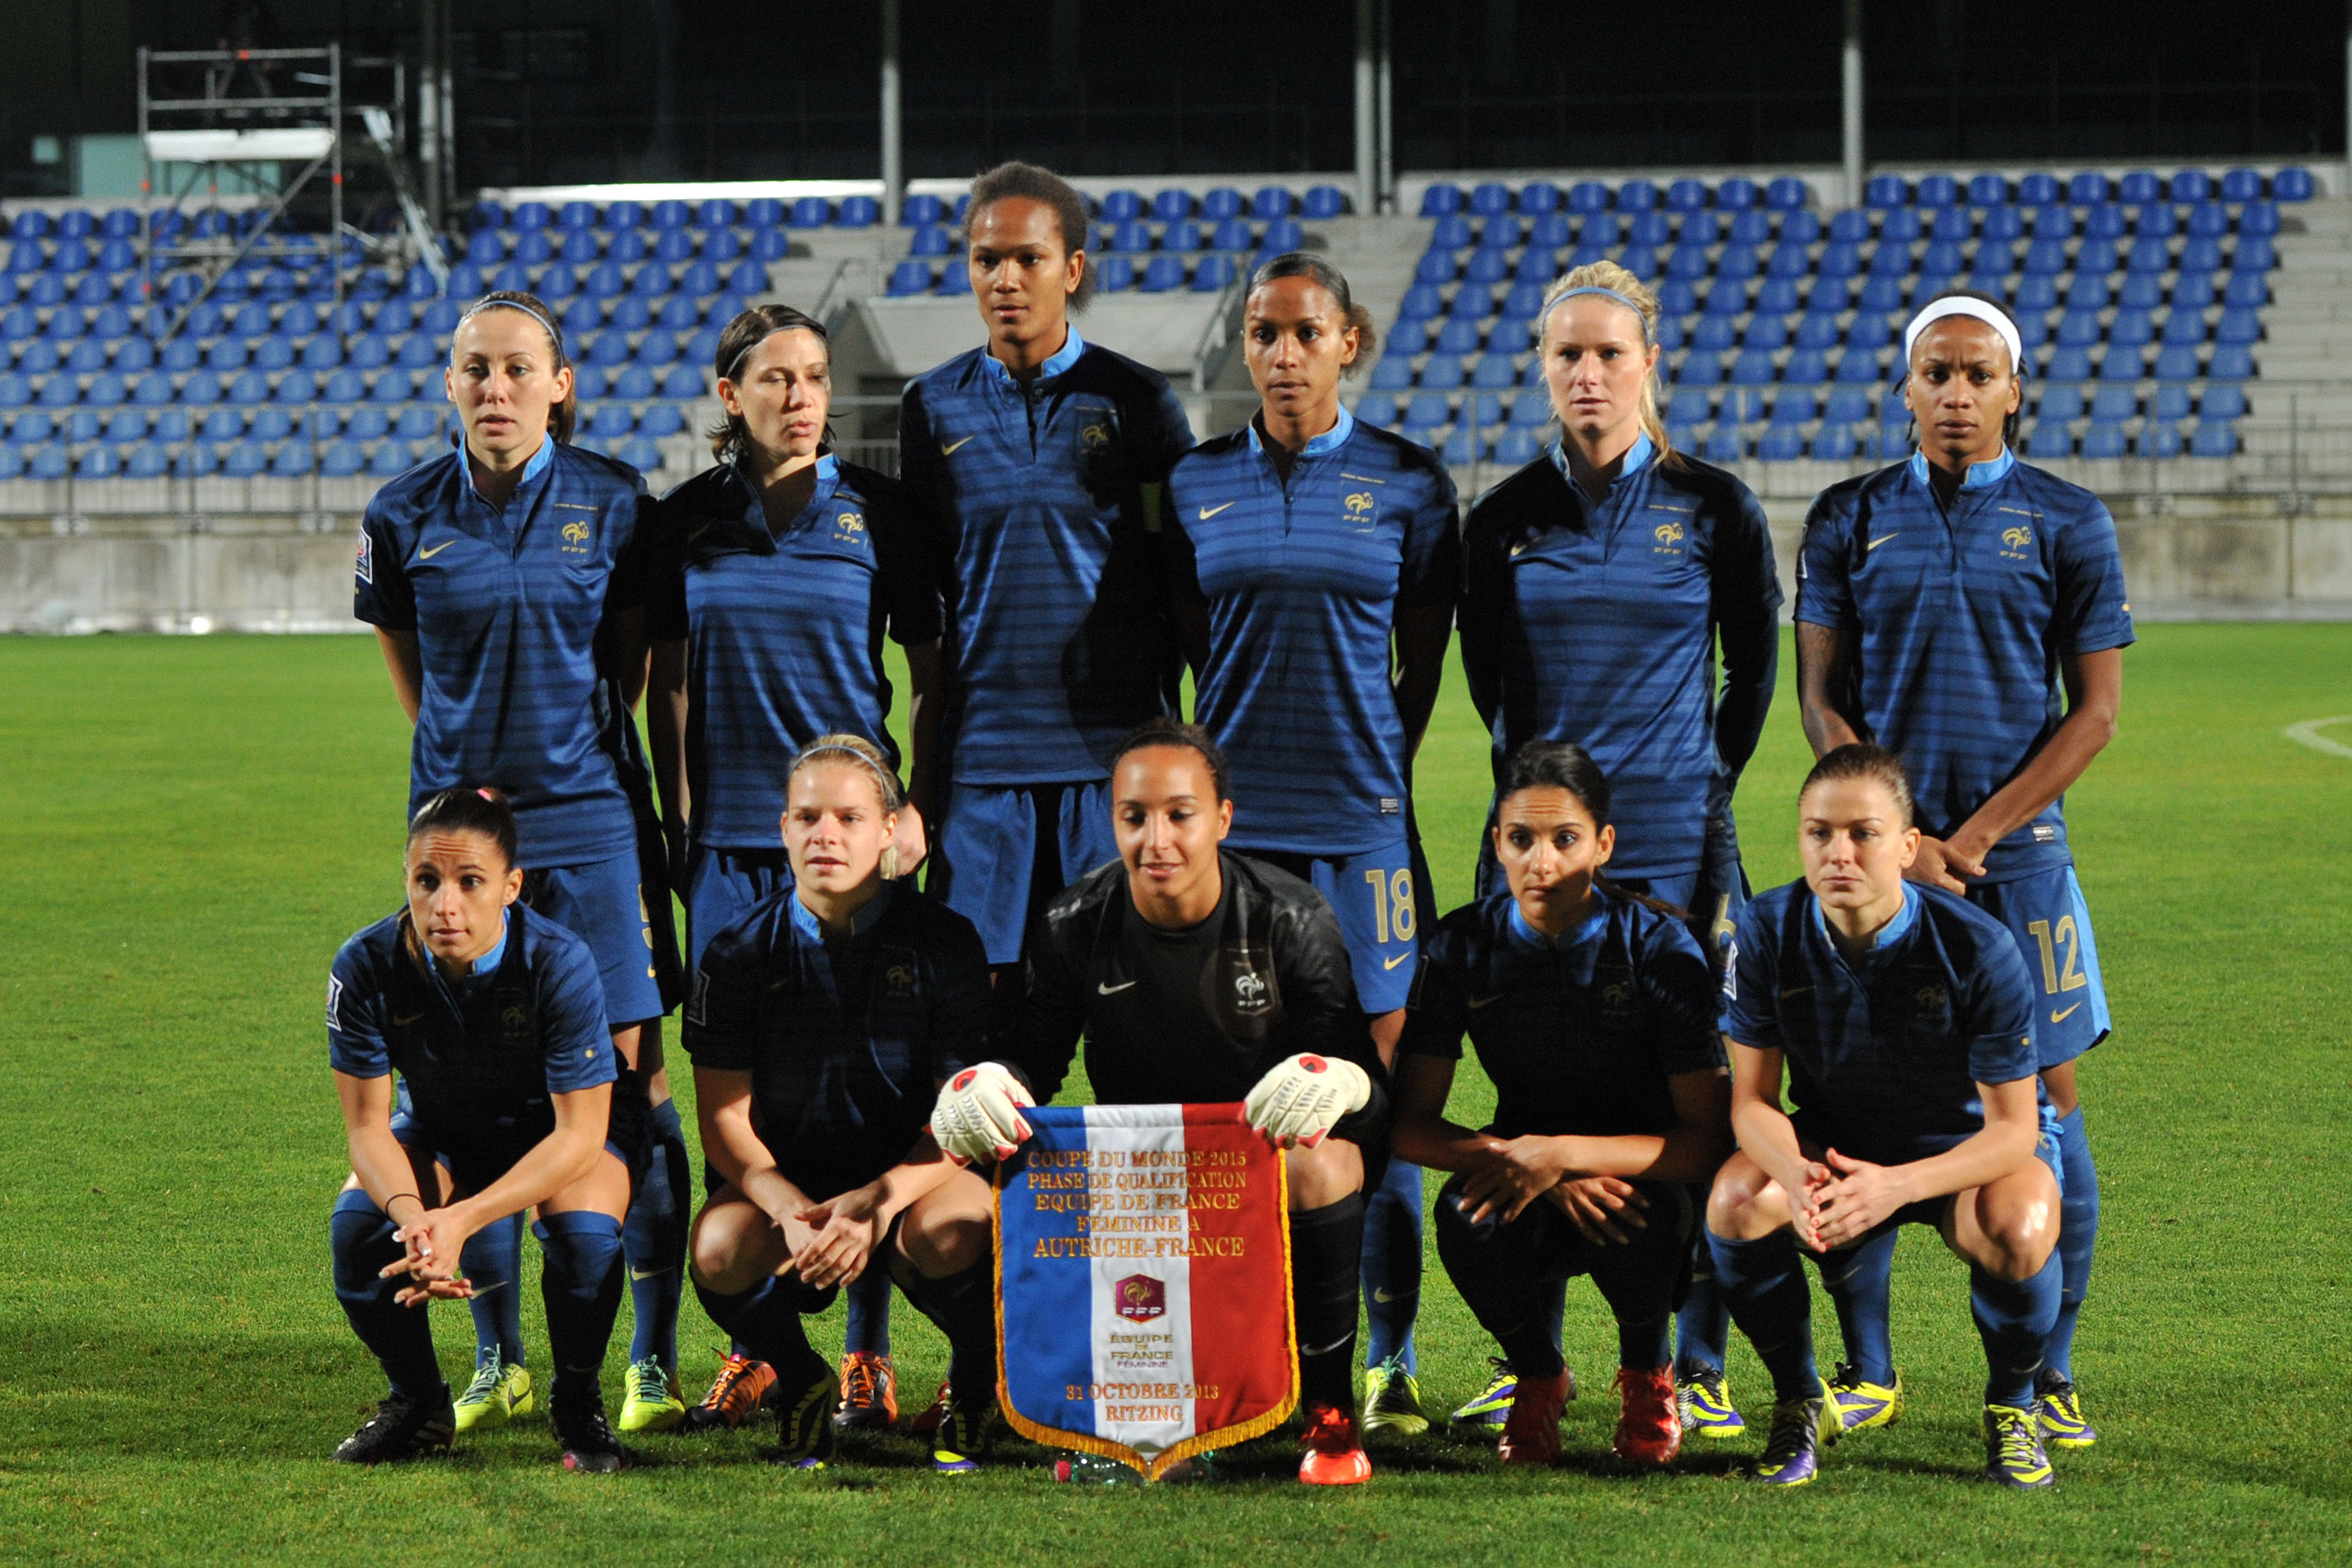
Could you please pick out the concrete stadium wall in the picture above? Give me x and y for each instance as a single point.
(293, 573)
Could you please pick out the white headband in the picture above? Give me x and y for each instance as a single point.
(1992, 316)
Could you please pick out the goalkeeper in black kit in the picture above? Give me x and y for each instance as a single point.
(1199, 977)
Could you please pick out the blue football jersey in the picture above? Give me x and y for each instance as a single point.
(1058, 641)
(1580, 1033)
(1884, 1054)
(478, 1058)
(506, 603)
(783, 629)
(1598, 624)
(1303, 583)
(1960, 621)
(846, 1037)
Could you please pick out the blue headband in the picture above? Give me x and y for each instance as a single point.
(1607, 293)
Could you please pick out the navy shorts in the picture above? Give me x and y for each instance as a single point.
(723, 886)
(475, 1163)
(1711, 894)
(1930, 1211)
(1002, 852)
(2046, 915)
(1377, 895)
(603, 903)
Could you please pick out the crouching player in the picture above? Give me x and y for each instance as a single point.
(820, 1024)
(1594, 1014)
(494, 1019)
(1905, 1019)
(1199, 977)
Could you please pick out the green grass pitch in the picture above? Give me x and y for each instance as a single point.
(191, 826)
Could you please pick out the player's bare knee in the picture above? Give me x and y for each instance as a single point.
(1743, 1203)
(1323, 1174)
(940, 1245)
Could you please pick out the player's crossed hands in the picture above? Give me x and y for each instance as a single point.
(1856, 1200)
(430, 1247)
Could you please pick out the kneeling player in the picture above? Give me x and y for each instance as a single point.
(494, 1018)
(1594, 1014)
(820, 1024)
(1200, 976)
(1904, 1018)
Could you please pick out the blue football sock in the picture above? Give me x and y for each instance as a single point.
(1391, 1265)
(2014, 1317)
(1764, 1286)
(868, 1329)
(1555, 1311)
(1703, 1325)
(581, 1284)
(2078, 1233)
(1859, 1283)
(765, 1321)
(654, 1237)
(399, 1336)
(963, 1307)
(493, 1261)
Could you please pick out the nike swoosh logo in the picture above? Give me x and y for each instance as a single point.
(480, 1289)
(399, 1022)
(1392, 963)
(1383, 1294)
(1880, 541)
(1796, 991)
(699, 532)
(1486, 1001)
(437, 549)
(947, 451)
(637, 1274)
(1101, 989)
(2062, 1017)
(1208, 512)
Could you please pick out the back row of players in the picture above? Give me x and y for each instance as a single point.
(1055, 551)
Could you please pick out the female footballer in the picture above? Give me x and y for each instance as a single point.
(1594, 1015)
(496, 577)
(1310, 556)
(1041, 458)
(1200, 976)
(1967, 610)
(772, 577)
(1597, 579)
(509, 1097)
(1903, 1020)
(822, 1022)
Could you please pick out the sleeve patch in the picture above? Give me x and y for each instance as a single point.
(334, 1002)
(1731, 969)
(696, 1000)
(366, 562)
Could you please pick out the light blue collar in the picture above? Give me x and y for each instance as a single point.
(1567, 941)
(540, 461)
(1888, 934)
(1330, 440)
(1979, 476)
(487, 963)
(1064, 357)
(805, 922)
(1637, 457)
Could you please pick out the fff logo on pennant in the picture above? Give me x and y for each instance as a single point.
(1141, 1297)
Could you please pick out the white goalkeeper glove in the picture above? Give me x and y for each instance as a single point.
(977, 1117)
(1300, 1100)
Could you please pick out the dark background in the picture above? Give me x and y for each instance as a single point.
(577, 90)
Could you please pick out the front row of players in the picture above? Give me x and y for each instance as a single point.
(837, 1033)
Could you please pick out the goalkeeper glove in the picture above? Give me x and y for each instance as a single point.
(977, 1117)
(1300, 1100)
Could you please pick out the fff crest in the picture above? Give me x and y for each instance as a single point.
(1668, 533)
(1141, 1297)
(2017, 537)
(1359, 504)
(576, 533)
(1096, 435)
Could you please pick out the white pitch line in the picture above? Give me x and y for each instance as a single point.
(2308, 733)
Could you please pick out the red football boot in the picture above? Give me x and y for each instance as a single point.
(1335, 1454)
(1649, 1424)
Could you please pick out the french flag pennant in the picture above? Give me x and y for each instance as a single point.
(1143, 1283)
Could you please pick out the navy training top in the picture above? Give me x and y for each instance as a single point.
(1960, 621)
(1304, 580)
(506, 603)
(1884, 1053)
(1581, 1033)
(480, 1058)
(846, 1037)
(1057, 640)
(1598, 624)
(783, 628)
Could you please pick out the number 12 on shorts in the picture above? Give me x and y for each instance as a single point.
(2048, 940)
(1392, 912)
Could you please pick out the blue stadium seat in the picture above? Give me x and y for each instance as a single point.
(2156, 221)
(1936, 191)
(389, 458)
(1426, 409)
(1421, 303)
(1494, 373)
(1131, 235)
(1885, 190)
(1700, 368)
(2132, 329)
(1785, 194)
(1459, 336)
(2238, 326)
(1637, 196)
(1275, 200)
(920, 208)
(670, 246)
(341, 460)
(684, 381)
(809, 213)
(2213, 439)
(2255, 254)
(293, 460)
(858, 213)
(931, 239)
(1441, 371)
(1113, 273)
(1378, 410)
(1531, 410)
(2157, 438)
(1486, 266)
(2113, 405)
(2141, 185)
(2222, 402)
(2292, 183)
(2122, 363)
(1214, 272)
(910, 277)
(1518, 448)
(1164, 272)
(2102, 440)
(1834, 443)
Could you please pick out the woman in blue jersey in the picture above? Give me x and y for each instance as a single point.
(771, 579)
(509, 1097)
(821, 1023)
(1041, 456)
(1903, 1022)
(1597, 583)
(1593, 1014)
(497, 579)
(1309, 557)
(1967, 610)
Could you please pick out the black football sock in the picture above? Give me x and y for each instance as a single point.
(1327, 1249)
(399, 1336)
(580, 1285)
